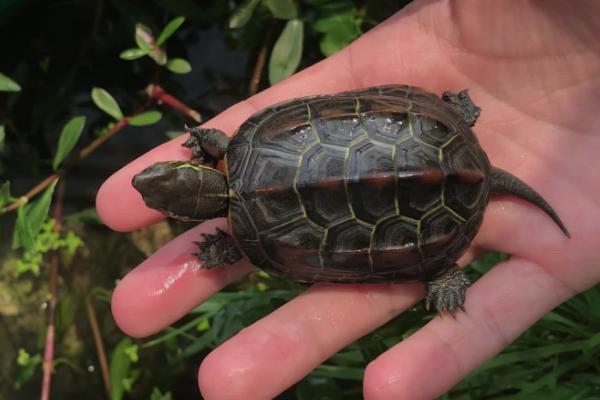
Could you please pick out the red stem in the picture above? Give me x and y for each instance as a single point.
(155, 93)
(47, 366)
(161, 96)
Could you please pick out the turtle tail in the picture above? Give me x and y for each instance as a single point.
(504, 183)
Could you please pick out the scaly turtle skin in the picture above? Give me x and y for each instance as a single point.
(385, 184)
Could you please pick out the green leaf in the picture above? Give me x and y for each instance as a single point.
(68, 138)
(329, 3)
(318, 388)
(107, 103)
(37, 211)
(282, 9)
(5, 196)
(173, 134)
(157, 395)
(170, 30)
(22, 236)
(85, 216)
(146, 118)
(8, 85)
(144, 37)
(332, 371)
(203, 325)
(132, 353)
(2, 137)
(120, 364)
(30, 218)
(242, 14)
(287, 51)
(179, 66)
(145, 41)
(340, 29)
(28, 366)
(133, 54)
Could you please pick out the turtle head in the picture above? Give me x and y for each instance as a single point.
(183, 190)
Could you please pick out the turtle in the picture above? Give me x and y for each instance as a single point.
(384, 184)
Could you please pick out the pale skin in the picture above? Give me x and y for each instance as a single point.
(534, 69)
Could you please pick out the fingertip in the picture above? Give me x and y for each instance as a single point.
(120, 207)
(384, 380)
(125, 313)
(168, 284)
(219, 367)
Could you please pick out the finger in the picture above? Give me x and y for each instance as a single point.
(518, 228)
(121, 207)
(499, 307)
(169, 284)
(269, 356)
(301, 335)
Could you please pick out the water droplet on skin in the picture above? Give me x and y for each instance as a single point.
(174, 277)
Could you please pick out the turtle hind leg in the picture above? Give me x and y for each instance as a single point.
(217, 250)
(463, 104)
(447, 292)
(504, 183)
(207, 144)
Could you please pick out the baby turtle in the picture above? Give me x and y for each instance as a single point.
(385, 184)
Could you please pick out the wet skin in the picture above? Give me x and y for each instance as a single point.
(538, 86)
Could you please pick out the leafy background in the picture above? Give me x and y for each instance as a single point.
(86, 86)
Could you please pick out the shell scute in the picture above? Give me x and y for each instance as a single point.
(337, 126)
(439, 231)
(266, 189)
(347, 246)
(289, 130)
(396, 238)
(294, 246)
(389, 127)
(371, 181)
(420, 181)
(373, 185)
(321, 185)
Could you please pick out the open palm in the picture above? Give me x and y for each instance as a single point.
(534, 69)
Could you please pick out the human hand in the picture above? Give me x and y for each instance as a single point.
(533, 68)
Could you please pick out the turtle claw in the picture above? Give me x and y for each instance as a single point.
(447, 292)
(217, 250)
(208, 145)
(463, 104)
(195, 144)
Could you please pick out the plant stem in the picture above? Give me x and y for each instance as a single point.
(54, 176)
(34, 191)
(99, 345)
(260, 61)
(159, 95)
(101, 139)
(47, 365)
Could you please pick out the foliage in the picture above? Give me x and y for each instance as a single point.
(81, 72)
(286, 52)
(27, 366)
(68, 139)
(30, 218)
(121, 376)
(45, 240)
(151, 47)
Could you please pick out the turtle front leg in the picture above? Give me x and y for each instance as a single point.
(462, 103)
(207, 144)
(447, 291)
(217, 250)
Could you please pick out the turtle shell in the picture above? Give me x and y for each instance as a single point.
(386, 184)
